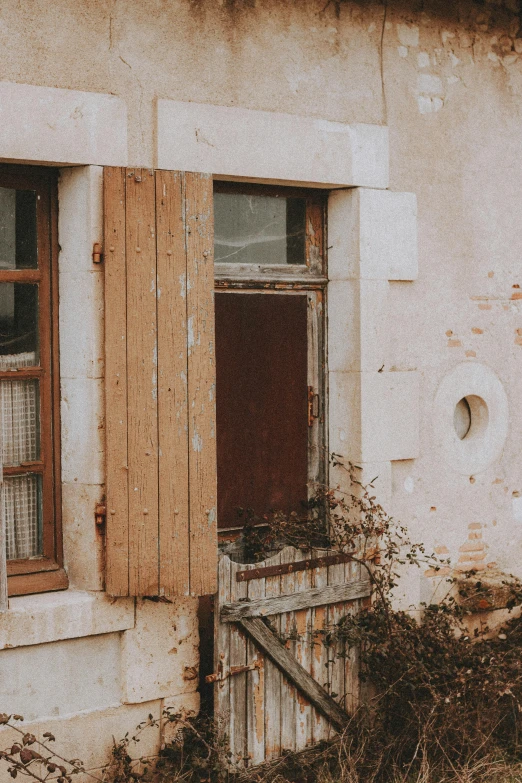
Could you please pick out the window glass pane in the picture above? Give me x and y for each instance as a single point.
(19, 421)
(22, 508)
(18, 325)
(259, 229)
(18, 245)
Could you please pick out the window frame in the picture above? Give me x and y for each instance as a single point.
(308, 280)
(44, 572)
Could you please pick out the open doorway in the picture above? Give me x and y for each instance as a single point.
(269, 347)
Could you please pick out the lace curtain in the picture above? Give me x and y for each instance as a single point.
(19, 440)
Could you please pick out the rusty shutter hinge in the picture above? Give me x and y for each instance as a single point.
(97, 253)
(100, 516)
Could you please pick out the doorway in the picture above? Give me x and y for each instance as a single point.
(270, 366)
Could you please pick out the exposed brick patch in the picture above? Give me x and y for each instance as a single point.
(472, 546)
(444, 571)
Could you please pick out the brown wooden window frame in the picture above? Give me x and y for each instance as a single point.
(309, 279)
(44, 572)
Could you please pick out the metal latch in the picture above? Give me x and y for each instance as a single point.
(221, 675)
(313, 406)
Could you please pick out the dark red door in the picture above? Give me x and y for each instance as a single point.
(261, 397)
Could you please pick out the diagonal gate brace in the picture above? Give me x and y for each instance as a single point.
(263, 638)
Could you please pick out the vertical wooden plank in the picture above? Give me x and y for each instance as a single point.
(174, 554)
(273, 678)
(142, 360)
(255, 691)
(336, 576)
(222, 645)
(351, 669)
(288, 629)
(319, 669)
(199, 220)
(117, 534)
(238, 683)
(303, 655)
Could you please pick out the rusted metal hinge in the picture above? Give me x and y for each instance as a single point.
(100, 516)
(221, 675)
(313, 406)
(97, 253)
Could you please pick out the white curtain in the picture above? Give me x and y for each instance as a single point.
(19, 443)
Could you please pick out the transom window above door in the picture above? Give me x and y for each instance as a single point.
(276, 232)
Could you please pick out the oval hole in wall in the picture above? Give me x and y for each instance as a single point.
(470, 417)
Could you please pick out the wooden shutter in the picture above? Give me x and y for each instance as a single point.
(159, 383)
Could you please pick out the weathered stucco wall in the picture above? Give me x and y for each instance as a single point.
(447, 80)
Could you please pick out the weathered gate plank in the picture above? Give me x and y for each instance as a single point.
(255, 691)
(303, 650)
(238, 683)
(321, 700)
(222, 646)
(336, 577)
(319, 669)
(351, 671)
(293, 602)
(288, 630)
(273, 678)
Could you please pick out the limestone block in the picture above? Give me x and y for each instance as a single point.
(89, 735)
(80, 217)
(377, 477)
(247, 144)
(389, 416)
(81, 282)
(372, 235)
(82, 423)
(50, 617)
(374, 417)
(62, 127)
(345, 414)
(83, 545)
(184, 704)
(160, 655)
(62, 677)
(358, 325)
(343, 233)
(81, 324)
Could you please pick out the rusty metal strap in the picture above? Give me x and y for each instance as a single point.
(290, 568)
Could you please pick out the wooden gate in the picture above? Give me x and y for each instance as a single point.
(277, 686)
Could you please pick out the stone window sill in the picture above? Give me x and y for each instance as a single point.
(71, 614)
